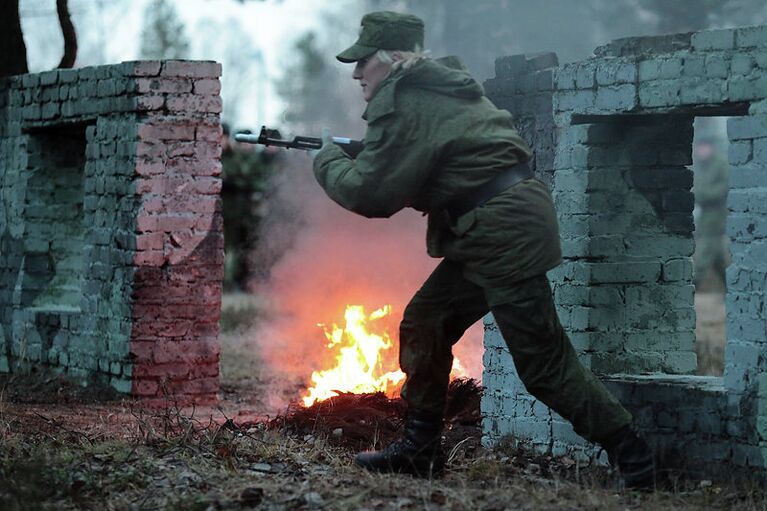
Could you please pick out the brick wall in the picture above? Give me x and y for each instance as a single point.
(111, 245)
(620, 140)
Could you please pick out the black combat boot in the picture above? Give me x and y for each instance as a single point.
(419, 452)
(633, 458)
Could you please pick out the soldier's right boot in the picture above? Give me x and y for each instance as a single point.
(633, 458)
(418, 452)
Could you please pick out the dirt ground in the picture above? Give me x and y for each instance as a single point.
(710, 333)
(65, 447)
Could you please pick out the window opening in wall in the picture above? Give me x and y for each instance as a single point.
(711, 184)
(53, 217)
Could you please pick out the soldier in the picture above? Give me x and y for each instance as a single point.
(435, 143)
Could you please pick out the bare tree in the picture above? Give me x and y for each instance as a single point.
(70, 36)
(13, 51)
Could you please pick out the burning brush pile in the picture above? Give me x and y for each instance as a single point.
(372, 420)
(353, 402)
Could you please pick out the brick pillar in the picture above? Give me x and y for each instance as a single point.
(179, 233)
(745, 373)
(111, 244)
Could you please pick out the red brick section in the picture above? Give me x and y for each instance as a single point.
(179, 254)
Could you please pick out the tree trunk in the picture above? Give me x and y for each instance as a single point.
(13, 51)
(70, 36)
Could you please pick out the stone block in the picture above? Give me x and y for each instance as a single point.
(541, 60)
(619, 98)
(670, 68)
(208, 86)
(106, 88)
(659, 93)
(196, 69)
(748, 200)
(680, 363)
(648, 70)
(752, 87)
(677, 200)
(544, 81)
(747, 127)
(747, 227)
(564, 77)
(739, 152)
(511, 66)
(742, 64)
(661, 178)
(617, 71)
(49, 78)
(68, 75)
(50, 111)
(585, 75)
(143, 68)
(156, 85)
(148, 103)
(167, 131)
(693, 65)
(569, 203)
(750, 37)
(193, 103)
(706, 40)
(703, 91)
(625, 272)
(677, 270)
(760, 151)
(717, 66)
(577, 100)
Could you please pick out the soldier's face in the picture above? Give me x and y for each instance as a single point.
(370, 71)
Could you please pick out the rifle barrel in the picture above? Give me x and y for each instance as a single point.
(250, 139)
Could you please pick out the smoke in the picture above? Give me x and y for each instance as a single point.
(335, 258)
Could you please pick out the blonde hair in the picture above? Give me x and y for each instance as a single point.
(409, 58)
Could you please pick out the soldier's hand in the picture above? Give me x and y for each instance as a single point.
(327, 139)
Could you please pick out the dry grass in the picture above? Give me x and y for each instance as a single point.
(116, 457)
(175, 462)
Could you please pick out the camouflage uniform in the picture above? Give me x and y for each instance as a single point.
(711, 256)
(432, 136)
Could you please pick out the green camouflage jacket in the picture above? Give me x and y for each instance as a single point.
(432, 135)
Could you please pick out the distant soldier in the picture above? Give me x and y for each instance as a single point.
(245, 176)
(435, 143)
(711, 186)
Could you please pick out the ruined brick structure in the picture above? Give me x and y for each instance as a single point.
(111, 245)
(613, 137)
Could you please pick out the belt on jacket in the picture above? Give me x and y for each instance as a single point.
(503, 181)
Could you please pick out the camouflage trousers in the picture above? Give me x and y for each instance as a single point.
(545, 360)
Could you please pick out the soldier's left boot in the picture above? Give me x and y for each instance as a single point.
(633, 457)
(418, 452)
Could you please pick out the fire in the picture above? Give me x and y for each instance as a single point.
(363, 360)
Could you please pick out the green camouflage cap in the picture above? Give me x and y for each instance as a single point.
(385, 30)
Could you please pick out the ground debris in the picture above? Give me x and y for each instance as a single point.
(45, 387)
(251, 496)
(364, 421)
(116, 457)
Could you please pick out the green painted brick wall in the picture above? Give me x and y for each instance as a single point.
(617, 130)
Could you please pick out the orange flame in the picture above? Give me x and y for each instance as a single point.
(360, 363)
(363, 363)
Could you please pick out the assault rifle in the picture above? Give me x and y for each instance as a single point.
(271, 137)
